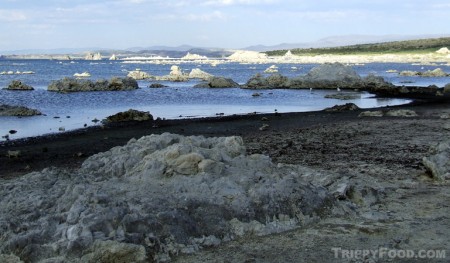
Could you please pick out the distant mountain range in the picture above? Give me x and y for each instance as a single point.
(179, 51)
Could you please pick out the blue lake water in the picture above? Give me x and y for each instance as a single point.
(179, 100)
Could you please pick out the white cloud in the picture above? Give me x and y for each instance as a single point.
(12, 16)
(216, 15)
(206, 17)
(238, 2)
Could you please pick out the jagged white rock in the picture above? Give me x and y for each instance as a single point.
(154, 197)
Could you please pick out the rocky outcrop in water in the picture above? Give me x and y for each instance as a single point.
(328, 76)
(197, 73)
(218, 82)
(8, 110)
(129, 115)
(18, 85)
(438, 72)
(139, 75)
(153, 198)
(176, 75)
(274, 81)
(91, 56)
(79, 85)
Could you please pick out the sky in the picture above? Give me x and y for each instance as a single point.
(50, 24)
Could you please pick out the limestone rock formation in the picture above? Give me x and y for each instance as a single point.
(176, 75)
(8, 110)
(438, 163)
(129, 115)
(96, 56)
(138, 75)
(218, 82)
(248, 57)
(190, 56)
(155, 197)
(18, 85)
(76, 85)
(197, 73)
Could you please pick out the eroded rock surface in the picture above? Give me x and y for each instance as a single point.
(77, 85)
(8, 110)
(153, 198)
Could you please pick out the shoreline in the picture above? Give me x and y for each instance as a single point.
(69, 149)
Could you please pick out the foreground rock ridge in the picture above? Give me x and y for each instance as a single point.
(153, 198)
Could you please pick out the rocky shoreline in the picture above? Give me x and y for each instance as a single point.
(369, 170)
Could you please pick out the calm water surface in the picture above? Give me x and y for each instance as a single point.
(179, 100)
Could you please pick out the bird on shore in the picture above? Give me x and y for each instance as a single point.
(338, 89)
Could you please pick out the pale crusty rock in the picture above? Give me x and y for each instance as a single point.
(443, 50)
(248, 56)
(138, 75)
(401, 113)
(438, 163)
(176, 75)
(197, 73)
(154, 197)
(91, 56)
(190, 56)
(271, 69)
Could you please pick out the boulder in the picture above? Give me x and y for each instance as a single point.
(197, 73)
(343, 96)
(274, 81)
(345, 107)
(376, 83)
(157, 85)
(7, 110)
(447, 89)
(256, 82)
(328, 76)
(138, 75)
(218, 82)
(18, 85)
(438, 162)
(129, 115)
(154, 197)
(77, 85)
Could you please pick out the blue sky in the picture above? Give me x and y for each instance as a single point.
(47, 24)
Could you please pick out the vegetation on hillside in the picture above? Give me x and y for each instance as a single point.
(408, 46)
